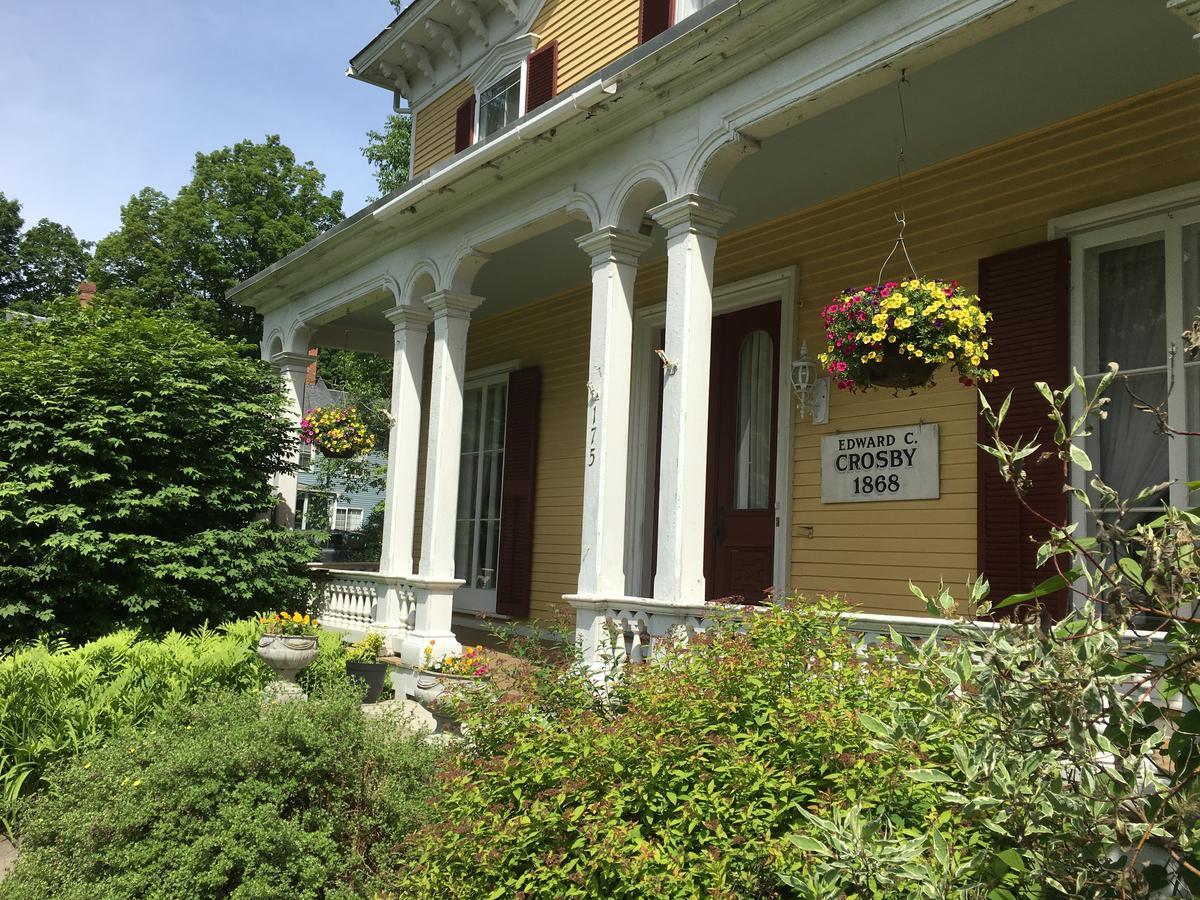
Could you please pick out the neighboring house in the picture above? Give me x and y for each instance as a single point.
(638, 211)
(340, 507)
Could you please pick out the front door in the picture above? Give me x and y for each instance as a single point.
(743, 423)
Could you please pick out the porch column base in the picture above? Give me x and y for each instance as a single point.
(610, 631)
(431, 631)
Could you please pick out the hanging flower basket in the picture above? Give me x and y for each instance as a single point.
(896, 335)
(337, 431)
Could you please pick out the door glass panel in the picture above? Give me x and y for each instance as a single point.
(752, 443)
(480, 482)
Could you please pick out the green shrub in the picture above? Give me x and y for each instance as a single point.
(684, 783)
(231, 798)
(57, 701)
(135, 451)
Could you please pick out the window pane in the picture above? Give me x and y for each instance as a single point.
(472, 398)
(462, 549)
(1130, 456)
(498, 105)
(493, 436)
(1132, 306)
(752, 461)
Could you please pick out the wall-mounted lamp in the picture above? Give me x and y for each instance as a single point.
(811, 390)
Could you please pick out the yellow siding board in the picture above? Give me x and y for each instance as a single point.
(589, 34)
(434, 125)
(983, 202)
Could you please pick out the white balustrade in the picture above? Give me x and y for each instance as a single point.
(355, 602)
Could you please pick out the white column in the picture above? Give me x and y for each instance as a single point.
(451, 318)
(400, 499)
(692, 223)
(292, 369)
(614, 256)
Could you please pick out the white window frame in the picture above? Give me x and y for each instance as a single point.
(467, 597)
(522, 79)
(347, 509)
(1165, 215)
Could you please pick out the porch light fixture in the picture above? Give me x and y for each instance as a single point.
(811, 390)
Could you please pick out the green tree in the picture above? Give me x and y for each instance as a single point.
(44, 262)
(51, 263)
(388, 151)
(246, 207)
(135, 452)
(10, 235)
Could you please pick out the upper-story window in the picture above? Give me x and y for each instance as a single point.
(500, 103)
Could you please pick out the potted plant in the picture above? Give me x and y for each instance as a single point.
(444, 684)
(339, 432)
(362, 663)
(897, 334)
(288, 645)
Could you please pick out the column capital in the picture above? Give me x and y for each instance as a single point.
(450, 305)
(409, 318)
(691, 213)
(286, 361)
(613, 245)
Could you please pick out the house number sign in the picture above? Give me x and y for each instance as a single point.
(881, 464)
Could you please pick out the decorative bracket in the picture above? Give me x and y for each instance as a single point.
(421, 55)
(468, 9)
(513, 10)
(398, 78)
(441, 32)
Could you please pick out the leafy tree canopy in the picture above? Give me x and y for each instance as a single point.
(388, 152)
(134, 476)
(44, 262)
(246, 207)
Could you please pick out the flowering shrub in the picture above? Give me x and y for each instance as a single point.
(933, 321)
(293, 623)
(337, 431)
(473, 661)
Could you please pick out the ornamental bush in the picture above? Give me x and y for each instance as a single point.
(57, 701)
(231, 798)
(684, 782)
(135, 452)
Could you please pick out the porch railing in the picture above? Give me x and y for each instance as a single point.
(355, 602)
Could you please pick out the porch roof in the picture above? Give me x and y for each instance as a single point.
(620, 79)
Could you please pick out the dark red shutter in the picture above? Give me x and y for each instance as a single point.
(656, 17)
(464, 125)
(514, 579)
(1027, 292)
(541, 76)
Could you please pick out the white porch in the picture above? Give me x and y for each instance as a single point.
(670, 175)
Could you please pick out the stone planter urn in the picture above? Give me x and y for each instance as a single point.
(286, 655)
(439, 692)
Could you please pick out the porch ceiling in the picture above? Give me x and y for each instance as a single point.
(1093, 52)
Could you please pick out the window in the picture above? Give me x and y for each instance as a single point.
(480, 480)
(347, 518)
(500, 104)
(752, 443)
(1136, 289)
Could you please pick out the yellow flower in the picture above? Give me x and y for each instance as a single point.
(995, 373)
(975, 360)
(891, 339)
(909, 311)
(918, 353)
(136, 782)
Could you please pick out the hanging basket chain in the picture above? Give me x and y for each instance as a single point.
(902, 215)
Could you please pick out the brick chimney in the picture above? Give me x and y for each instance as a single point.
(310, 376)
(87, 290)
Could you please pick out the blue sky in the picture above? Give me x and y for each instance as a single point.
(99, 99)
